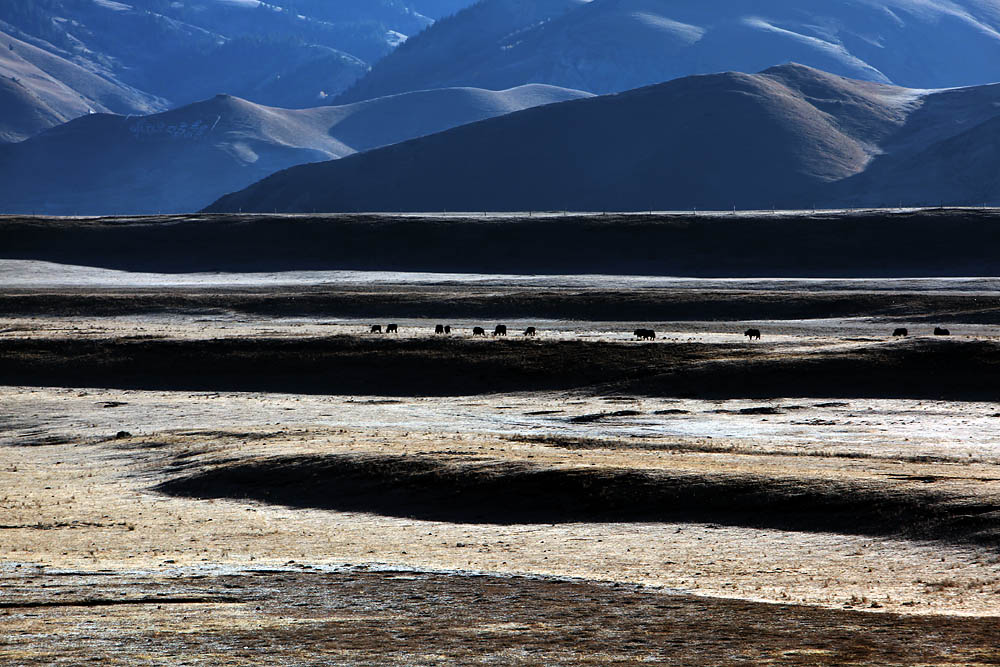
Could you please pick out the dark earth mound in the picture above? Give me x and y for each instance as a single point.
(461, 490)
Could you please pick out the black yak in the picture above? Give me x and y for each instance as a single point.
(501, 330)
(391, 328)
(376, 328)
(901, 331)
(478, 331)
(752, 333)
(938, 331)
(530, 331)
(439, 329)
(644, 334)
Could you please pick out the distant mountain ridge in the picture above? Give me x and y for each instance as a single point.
(71, 57)
(608, 46)
(789, 137)
(182, 160)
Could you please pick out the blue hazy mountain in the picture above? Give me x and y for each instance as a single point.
(138, 56)
(789, 137)
(613, 45)
(184, 159)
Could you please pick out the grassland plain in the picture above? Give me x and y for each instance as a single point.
(233, 471)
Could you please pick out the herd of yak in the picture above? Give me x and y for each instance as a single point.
(641, 334)
(500, 330)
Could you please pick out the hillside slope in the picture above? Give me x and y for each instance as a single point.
(39, 90)
(789, 137)
(947, 153)
(613, 45)
(184, 159)
(455, 47)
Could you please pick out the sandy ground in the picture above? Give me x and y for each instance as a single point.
(97, 563)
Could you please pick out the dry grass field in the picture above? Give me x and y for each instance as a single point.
(246, 476)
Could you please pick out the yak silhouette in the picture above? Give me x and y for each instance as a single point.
(530, 331)
(901, 331)
(501, 330)
(391, 328)
(478, 331)
(752, 333)
(938, 331)
(644, 334)
(376, 328)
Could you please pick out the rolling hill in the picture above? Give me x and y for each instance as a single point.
(789, 137)
(182, 160)
(613, 45)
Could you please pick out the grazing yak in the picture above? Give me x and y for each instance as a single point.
(439, 329)
(376, 328)
(752, 333)
(447, 328)
(391, 328)
(938, 331)
(901, 331)
(478, 331)
(501, 330)
(531, 331)
(644, 334)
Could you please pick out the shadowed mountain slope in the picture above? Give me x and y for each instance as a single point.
(613, 45)
(183, 159)
(947, 152)
(789, 137)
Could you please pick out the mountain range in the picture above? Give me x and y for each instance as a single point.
(110, 100)
(65, 58)
(605, 46)
(789, 137)
(182, 160)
